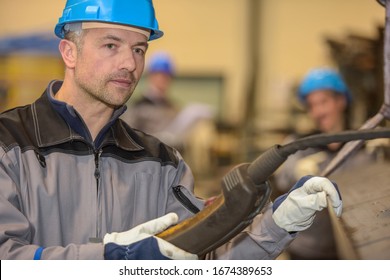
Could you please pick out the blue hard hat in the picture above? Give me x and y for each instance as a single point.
(321, 79)
(161, 62)
(139, 13)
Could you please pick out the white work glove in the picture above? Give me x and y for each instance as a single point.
(140, 242)
(295, 210)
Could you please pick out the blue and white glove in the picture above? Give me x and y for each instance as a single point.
(139, 243)
(296, 210)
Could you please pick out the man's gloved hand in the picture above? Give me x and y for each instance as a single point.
(139, 243)
(295, 210)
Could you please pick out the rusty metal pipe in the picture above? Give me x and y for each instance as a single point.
(384, 112)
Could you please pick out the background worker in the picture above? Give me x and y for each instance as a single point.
(78, 183)
(156, 113)
(327, 99)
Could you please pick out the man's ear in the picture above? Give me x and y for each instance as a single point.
(68, 52)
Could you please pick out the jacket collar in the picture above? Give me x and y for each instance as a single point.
(51, 128)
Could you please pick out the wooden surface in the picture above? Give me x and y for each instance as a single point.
(363, 231)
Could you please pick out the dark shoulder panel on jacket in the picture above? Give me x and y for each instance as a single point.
(153, 147)
(17, 128)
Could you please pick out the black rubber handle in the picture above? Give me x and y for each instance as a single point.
(241, 200)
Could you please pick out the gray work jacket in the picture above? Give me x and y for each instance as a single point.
(60, 192)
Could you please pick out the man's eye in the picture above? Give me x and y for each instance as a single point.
(139, 51)
(110, 46)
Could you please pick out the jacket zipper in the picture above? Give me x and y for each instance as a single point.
(97, 170)
(98, 153)
(184, 200)
(41, 159)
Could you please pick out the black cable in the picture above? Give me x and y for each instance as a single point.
(341, 137)
(267, 163)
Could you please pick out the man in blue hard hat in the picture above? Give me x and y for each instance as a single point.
(327, 100)
(78, 183)
(326, 96)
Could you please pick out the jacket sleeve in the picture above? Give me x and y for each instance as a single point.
(16, 232)
(262, 240)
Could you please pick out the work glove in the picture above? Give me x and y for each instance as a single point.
(295, 210)
(139, 243)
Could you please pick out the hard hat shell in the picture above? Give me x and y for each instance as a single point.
(139, 13)
(161, 62)
(322, 79)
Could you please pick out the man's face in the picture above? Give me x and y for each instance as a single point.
(327, 110)
(109, 64)
(161, 81)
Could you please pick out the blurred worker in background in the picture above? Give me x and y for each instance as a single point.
(78, 183)
(155, 110)
(189, 129)
(327, 100)
(157, 114)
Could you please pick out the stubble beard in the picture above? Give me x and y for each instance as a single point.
(103, 91)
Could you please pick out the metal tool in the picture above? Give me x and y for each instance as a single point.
(245, 191)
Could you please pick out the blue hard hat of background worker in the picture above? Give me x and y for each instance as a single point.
(323, 79)
(161, 62)
(138, 14)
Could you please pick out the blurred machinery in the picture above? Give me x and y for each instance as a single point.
(27, 63)
(362, 232)
(360, 61)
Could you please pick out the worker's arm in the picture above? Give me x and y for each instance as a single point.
(262, 240)
(273, 230)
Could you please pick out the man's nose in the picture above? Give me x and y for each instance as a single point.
(128, 61)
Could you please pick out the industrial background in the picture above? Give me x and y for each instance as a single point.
(244, 58)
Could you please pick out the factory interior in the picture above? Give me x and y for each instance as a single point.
(242, 61)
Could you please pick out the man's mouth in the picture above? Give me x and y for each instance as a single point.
(122, 82)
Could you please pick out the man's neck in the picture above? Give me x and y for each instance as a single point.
(95, 114)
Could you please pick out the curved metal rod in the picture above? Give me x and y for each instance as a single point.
(384, 112)
(350, 147)
(344, 244)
